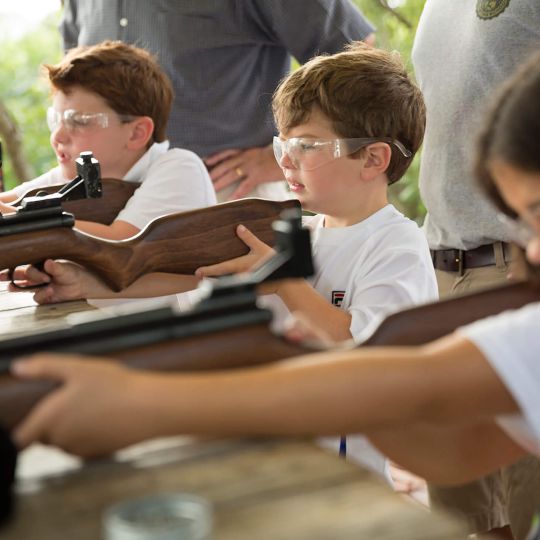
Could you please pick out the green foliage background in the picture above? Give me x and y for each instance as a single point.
(392, 34)
(25, 93)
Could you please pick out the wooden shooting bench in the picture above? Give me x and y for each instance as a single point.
(259, 489)
(19, 314)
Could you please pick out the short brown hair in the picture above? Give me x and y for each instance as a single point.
(128, 78)
(511, 130)
(365, 92)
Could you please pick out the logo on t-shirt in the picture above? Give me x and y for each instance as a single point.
(489, 9)
(337, 297)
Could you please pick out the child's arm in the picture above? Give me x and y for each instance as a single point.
(68, 281)
(376, 391)
(117, 230)
(298, 295)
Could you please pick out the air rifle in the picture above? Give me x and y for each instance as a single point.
(177, 243)
(227, 330)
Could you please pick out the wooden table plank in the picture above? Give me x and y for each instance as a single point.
(19, 314)
(263, 490)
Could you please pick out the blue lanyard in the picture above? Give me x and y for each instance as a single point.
(343, 447)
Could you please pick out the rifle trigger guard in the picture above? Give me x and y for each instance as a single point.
(21, 287)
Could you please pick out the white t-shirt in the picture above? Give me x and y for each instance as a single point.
(510, 343)
(172, 181)
(370, 269)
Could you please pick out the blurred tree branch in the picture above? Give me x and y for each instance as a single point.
(11, 135)
(399, 17)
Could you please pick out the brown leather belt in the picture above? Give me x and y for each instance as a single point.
(458, 260)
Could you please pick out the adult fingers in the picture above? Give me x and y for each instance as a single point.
(243, 189)
(212, 160)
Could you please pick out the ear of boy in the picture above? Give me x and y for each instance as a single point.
(376, 160)
(141, 130)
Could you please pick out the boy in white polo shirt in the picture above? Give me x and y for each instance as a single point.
(114, 100)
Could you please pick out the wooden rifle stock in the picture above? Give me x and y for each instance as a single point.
(177, 243)
(422, 324)
(238, 338)
(116, 194)
(225, 349)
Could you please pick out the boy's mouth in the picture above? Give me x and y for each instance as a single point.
(295, 186)
(62, 157)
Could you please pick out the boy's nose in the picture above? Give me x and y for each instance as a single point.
(286, 162)
(60, 134)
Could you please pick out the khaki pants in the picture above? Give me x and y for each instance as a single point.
(512, 494)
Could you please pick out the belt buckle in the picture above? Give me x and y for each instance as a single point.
(459, 260)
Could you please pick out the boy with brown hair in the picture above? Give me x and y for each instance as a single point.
(114, 100)
(349, 125)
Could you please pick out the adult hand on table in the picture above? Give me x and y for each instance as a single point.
(251, 167)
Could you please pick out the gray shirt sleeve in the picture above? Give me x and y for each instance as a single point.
(68, 27)
(326, 25)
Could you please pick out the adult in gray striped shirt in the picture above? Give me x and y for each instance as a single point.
(225, 58)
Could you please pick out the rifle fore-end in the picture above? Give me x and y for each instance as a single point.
(177, 243)
(228, 349)
(422, 324)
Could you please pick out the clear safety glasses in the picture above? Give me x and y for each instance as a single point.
(309, 154)
(76, 121)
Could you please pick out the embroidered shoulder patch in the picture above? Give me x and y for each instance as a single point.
(337, 297)
(489, 9)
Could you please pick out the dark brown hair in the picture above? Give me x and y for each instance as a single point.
(128, 78)
(364, 92)
(511, 133)
(511, 130)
